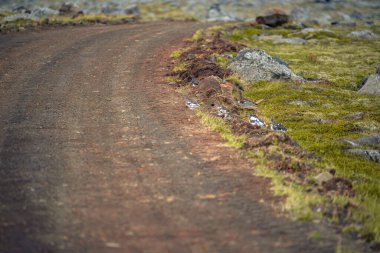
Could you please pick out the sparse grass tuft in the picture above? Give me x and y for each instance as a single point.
(218, 125)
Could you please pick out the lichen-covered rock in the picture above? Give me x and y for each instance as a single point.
(371, 86)
(256, 65)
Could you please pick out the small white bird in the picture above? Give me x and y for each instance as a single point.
(192, 104)
(194, 81)
(255, 121)
(245, 103)
(277, 127)
(223, 112)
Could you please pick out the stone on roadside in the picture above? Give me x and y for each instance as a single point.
(256, 65)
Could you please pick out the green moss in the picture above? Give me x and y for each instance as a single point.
(177, 53)
(316, 114)
(197, 36)
(333, 56)
(218, 125)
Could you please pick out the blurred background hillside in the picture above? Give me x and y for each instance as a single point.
(323, 12)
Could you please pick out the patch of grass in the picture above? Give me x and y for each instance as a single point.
(332, 55)
(154, 11)
(197, 36)
(318, 115)
(177, 53)
(218, 125)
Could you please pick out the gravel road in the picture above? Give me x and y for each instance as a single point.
(98, 154)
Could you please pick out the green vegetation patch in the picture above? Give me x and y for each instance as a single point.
(163, 11)
(321, 116)
(22, 24)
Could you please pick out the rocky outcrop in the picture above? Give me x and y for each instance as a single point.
(256, 65)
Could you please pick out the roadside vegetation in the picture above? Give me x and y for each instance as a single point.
(319, 117)
(23, 24)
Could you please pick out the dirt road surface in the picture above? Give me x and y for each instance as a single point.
(98, 154)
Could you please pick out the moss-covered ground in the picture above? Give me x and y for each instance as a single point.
(321, 116)
(318, 116)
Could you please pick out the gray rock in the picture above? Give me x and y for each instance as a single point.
(21, 9)
(323, 177)
(111, 8)
(267, 37)
(313, 30)
(370, 154)
(364, 34)
(44, 12)
(133, 10)
(300, 14)
(215, 13)
(371, 86)
(323, 19)
(371, 141)
(256, 65)
(69, 9)
(293, 41)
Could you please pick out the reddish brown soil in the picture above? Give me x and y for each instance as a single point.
(97, 154)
